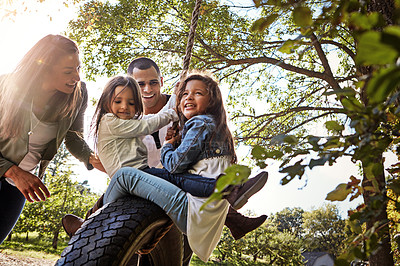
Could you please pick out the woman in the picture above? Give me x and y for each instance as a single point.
(42, 103)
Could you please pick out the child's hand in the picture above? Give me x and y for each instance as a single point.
(173, 139)
(95, 161)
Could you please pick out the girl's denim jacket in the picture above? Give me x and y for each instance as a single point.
(196, 145)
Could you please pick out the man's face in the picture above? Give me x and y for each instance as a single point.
(150, 84)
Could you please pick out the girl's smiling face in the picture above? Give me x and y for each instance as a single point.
(123, 103)
(195, 99)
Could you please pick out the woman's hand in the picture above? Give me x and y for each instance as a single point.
(30, 185)
(95, 161)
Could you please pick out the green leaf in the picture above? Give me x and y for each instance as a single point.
(395, 186)
(293, 170)
(318, 162)
(235, 174)
(363, 21)
(351, 104)
(334, 126)
(371, 50)
(355, 226)
(275, 154)
(289, 47)
(280, 139)
(340, 193)
(394, 30)
(302, 16)
(262, 23)
(382, 84)
(259, 153)
(341, 262)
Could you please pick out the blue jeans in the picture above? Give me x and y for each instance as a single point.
(196, 185)
(131, 181)
(12, 202)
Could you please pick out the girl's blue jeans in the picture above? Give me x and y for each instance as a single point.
(131, 181)
(11, 204)
(196, 185)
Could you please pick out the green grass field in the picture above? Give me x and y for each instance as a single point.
(40, 247)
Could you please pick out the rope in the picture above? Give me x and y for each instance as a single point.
(157, 237)
(190, 42)
(186, 61)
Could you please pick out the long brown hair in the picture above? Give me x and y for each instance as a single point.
(18, 88)
(104, 104)
(215, 108)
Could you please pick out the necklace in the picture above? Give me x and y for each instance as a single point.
(37, 123)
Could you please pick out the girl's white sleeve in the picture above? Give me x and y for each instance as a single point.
(139, 127)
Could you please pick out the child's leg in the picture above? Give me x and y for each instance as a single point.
(131, 181)
(194, 184)
(240, 225)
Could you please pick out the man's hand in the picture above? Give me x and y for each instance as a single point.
(30, 185)
(173, 139)
(171, 132)
(173, 135)
(95, 161)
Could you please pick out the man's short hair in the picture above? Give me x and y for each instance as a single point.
(142, 63)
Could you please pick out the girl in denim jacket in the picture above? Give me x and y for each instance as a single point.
(206, 149)
(118, 131)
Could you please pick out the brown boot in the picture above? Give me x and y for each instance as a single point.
(97, 205)
(240, 225)
(71, 223)
(240, 194)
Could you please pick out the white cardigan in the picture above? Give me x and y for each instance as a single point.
(204, 228)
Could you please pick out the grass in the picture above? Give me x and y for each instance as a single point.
(40, 247)
(36, 246)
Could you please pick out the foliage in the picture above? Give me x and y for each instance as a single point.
(305, 61)
(289, 219)
(324, 230)
(266, 245)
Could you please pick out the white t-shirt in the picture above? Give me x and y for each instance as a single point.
(154, 154)
(42, 134)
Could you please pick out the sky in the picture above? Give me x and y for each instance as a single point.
(21, 32)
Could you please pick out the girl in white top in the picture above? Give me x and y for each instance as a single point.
(203, 228)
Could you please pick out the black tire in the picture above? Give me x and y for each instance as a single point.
(114, 234)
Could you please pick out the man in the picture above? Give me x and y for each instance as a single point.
(146, 72)
(148, 75)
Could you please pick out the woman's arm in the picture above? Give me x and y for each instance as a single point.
(74, 140)
(180, 159)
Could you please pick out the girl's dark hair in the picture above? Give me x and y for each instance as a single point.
(18, 88)
(215, 107)
(104, 103)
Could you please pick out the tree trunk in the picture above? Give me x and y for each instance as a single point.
(383, 256)
(55, 238)
(27, 237)
(255, 257)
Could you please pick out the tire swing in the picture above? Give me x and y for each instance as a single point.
(131, 230)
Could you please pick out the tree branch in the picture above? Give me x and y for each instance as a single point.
(322, 56)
